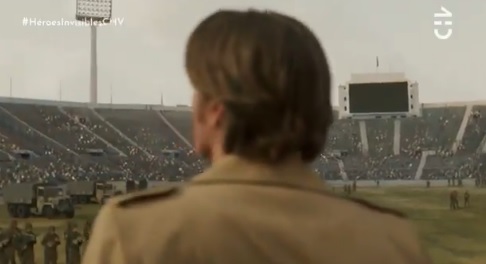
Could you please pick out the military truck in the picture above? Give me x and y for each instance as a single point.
(133, 186)
(84, 192)
(37, 199)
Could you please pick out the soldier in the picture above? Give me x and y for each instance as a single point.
(354, 186)
(27, 240)
(11, 241)
(466, 199)
(260, 79)
(67, 240)
(75, 243)
(3, 246)
(428, 184)
(87, 229)
(454, 200)
(50, 242)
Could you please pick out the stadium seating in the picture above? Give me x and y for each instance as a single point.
(18, 136)
(327, 167)
(475, 130)
(144, 127)
(49, 141)
(443, 124)
(380, 135)
(88, 118)
(149, 130)
(182, 121)
(52, 123)
(344, 136)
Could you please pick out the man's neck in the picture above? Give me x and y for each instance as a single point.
(217, 154)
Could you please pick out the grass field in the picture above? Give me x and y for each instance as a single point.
(451, 237)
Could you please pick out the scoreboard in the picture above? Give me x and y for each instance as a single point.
(378, 98)
(378, 95)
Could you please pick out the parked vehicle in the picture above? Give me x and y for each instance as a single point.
(37, 199)
(84, 192)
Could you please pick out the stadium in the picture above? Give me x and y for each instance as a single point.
(66, 141)
(389, 150)
(371, 143)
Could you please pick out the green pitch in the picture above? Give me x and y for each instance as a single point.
(451, 237)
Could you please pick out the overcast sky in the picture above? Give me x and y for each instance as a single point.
(143, 57)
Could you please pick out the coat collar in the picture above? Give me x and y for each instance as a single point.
(233, 170)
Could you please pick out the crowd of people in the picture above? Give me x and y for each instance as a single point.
(44, 143)
(18, 242)
(436, 130)
(48, 142)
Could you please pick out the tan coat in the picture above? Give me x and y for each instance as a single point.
(240, 212)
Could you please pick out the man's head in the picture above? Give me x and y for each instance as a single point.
(69, 225)
(13, 224)
(28, 226)
(262, 87)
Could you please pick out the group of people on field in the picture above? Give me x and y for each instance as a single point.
(17, 243)
(454, 199)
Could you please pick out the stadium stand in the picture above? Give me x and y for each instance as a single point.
(46, 140)
(442, 126)
(380, 135)
(344, 135)
(181, 120)
(475, 130)
(145, 128)
(51, 122)
(98, 126)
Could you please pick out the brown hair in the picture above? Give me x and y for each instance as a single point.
(271, 73)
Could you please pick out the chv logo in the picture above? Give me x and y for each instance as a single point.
(443, 20)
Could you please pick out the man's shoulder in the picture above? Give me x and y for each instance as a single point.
(149, 196)
(385, 225)
(372, 207)
(364, 207)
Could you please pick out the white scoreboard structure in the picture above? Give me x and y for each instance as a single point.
(379, 95)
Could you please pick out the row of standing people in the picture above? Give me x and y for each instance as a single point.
(15, 241)
(454, 199)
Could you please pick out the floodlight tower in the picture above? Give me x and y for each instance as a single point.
(94, 12)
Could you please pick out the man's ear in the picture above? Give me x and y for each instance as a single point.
(215, 112)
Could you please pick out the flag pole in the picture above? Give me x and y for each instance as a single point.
(11, 86)
(111, 93)
(60, 90)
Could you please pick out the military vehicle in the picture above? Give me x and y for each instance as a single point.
(37, 199)
(133, 186)
(84, 192)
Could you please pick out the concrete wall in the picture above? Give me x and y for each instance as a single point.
(400, 183)
(361, 183)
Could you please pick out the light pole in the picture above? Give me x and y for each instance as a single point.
(94, 12)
